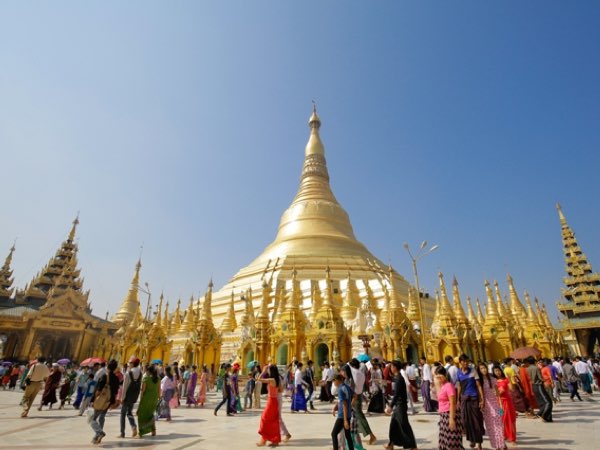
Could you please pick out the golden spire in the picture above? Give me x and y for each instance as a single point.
(158, 318)
(459, 312)
(315, 220)
(445, 306)
(531, 317)
(263, 312)
(6, 280)
(491, 312)
(517, 309)
(250, 300)
(349, 305)
(207, 305)
(176, 322)
(166, 322)
(295, 300)
(471, 313)
(131, 304)
(314, 145)
(546, 318)
(328, 301)
(394, 312)
(504, 315)
(561, 216)
(480, 317)
(71, 237)
(316, 301)
(189, 320)
(229, 322)
(582, 284)
(413, 307)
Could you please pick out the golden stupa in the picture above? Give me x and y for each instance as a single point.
(315, 250)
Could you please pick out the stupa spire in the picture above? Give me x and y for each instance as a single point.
(531, 317)
(131, 304)
(158, 318)
(517, 310)
(189, 320)
(207, 305)
(349, 304)
(176, 322)
(263, 312)
(71, 237)
(504, 315)
(229, 322)
(582, 283)
(480, 317)
(314, 216)
(491, 315)
(471, 313)
(413, 307)
(6, 280)
(445, 306)
(459, 311)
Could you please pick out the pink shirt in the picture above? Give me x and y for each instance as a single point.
(446, 391)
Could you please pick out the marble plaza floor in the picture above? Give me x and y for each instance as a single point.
(577, 426)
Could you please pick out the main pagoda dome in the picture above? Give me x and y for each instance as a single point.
(315, 250)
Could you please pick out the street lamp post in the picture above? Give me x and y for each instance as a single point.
(414, 258)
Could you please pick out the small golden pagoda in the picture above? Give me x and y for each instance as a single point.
(581, 296)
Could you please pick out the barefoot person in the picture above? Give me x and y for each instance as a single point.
(105, 398)
(35, 377)
(269, 420)
(450, 434)
(344, 411)
(401, 433)
(149, 396)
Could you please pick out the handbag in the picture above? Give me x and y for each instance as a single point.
(102, 398)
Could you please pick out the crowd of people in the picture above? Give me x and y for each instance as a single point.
(472, 400)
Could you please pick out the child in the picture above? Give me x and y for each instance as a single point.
(250, 385)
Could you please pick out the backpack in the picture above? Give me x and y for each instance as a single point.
(102, 398)
(133, 389)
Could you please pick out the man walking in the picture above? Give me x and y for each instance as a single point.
(539, 391)
(359, 383)
(426, 379)
(132, 383)
(309, 378)
(36, 376)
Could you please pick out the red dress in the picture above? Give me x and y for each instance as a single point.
(509, 418)
(269, 420)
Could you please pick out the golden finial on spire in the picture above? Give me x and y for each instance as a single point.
(561, 216)
(459, 311)
(314, 145)
(74, 228)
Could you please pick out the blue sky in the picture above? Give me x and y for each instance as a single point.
(182, 126)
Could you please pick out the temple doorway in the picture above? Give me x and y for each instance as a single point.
(412, 355)
(321, 353)
(282, 355)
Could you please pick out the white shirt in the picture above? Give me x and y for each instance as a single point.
(411, 372)
(426, 370)
(101, 371)
(359, 380)
(453, 374)
(298, 378)
(581, 368)
(327, 374)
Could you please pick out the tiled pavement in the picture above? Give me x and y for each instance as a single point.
(576, 426)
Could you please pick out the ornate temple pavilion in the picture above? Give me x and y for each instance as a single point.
(581, 296)
(51, 316)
